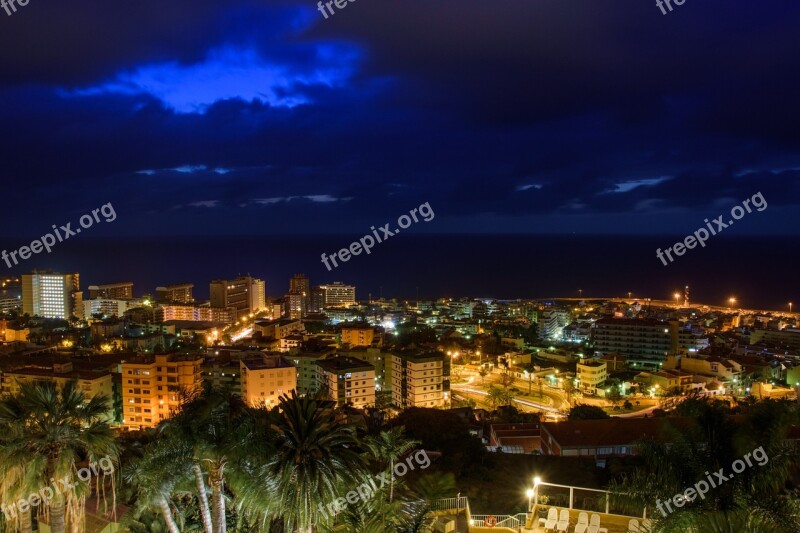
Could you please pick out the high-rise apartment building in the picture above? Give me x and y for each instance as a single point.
(112, 291)
(265, 378)
(296, 305)
(51, 295)
(347, 381)
(152, 387)
(181, 293)
(247, 294)
(297, 300)
(420, 380)
(643, 341)
(108, 307)
(195, 313)
(338, 295)
(316, 302)
(300, 284)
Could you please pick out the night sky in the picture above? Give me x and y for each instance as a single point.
(517, 116)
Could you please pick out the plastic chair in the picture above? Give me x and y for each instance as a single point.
(594, 524)
(552, 519)
(563, 521)
(583, 523)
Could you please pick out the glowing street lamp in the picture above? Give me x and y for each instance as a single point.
(790, 307)
(536, 482)
(677, 297)
(731, 301)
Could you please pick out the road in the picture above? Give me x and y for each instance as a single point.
(466, 388)
(557, 399)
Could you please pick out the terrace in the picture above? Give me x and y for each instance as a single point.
(551, 507)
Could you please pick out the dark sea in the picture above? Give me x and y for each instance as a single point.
(761, 272)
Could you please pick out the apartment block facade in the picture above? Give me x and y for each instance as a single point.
(347, 381)
(112, 291)
(180, 293)
(265, 378)
(246, 294)
(645, 342)
(591, 374)
(152, 387)
(52, 295)
(420, 380)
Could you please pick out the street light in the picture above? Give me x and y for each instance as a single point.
(731, 301)
(530, 493)
(677, 297)
(536, 482)
(790, 308)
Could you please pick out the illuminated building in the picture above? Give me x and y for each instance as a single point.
(194, 313)
(645, 341)
(316, 301)
(246, 294)
(338, 295)
(265, 378)
(347, 381)
(92, 381)
(112, 291)
(181, 293)
(109, 307)
(297, 301)
(420, 380)
(152, 387)
(295, 305)
(359, 335)
(591, 374)
(51, 295)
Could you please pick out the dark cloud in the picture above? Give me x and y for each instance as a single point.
(588, 111)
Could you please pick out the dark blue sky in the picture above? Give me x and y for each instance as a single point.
(234, 117)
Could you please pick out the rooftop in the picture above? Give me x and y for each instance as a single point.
(341, 364)
(266, 362)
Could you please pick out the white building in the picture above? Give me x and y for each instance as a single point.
(338, 295)
(591, 374)
(419, 380)
(51, 295)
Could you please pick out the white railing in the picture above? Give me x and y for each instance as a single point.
(537, 499)
(500, 520)
(445, 504)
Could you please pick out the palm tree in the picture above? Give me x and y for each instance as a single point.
(315, 460)
(15, 484)
(210, 424)
(50, 431)
(495, 396)
(754, 500)
(155, 476)
(387, 447)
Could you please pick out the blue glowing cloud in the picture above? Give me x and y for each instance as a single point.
(231, 73)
